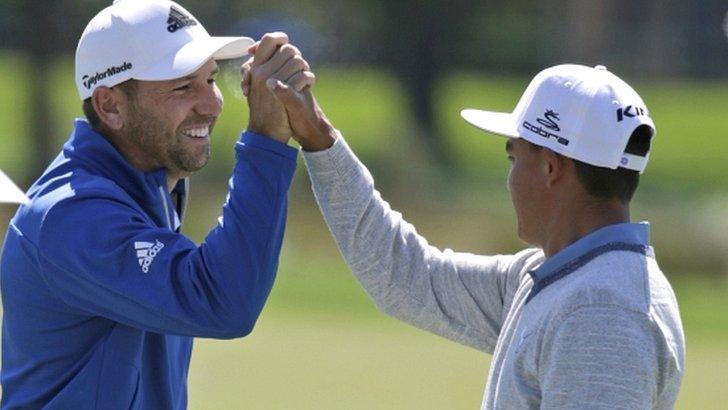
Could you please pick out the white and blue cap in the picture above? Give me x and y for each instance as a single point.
(9, 192)
(150, 40)
(584, 113)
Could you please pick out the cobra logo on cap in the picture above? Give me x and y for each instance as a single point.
(548, 122)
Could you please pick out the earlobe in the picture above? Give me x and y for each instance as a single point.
(106, 104)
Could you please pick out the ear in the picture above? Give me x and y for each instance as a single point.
(107, 103)
(555, 167)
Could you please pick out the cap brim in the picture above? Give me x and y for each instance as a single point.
(193, 55)
(9, 192)
(501, 123)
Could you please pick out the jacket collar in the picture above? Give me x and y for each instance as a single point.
(93, 152)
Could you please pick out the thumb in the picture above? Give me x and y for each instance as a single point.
(284, 93)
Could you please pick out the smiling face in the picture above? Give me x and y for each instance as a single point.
(527, 186)
(168, 123)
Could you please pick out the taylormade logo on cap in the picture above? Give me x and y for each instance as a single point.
(584, 113)
(151, 40)
(88, 82)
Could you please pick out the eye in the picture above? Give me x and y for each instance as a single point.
(211, 81)
(182, 88)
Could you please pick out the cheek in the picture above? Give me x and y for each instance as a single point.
(515, 181)
(519, 186)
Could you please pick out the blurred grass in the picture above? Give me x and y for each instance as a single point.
(13, 126)
(320, 342)
(368, 105)
(308, 359)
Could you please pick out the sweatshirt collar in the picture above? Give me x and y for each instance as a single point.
(625, 233)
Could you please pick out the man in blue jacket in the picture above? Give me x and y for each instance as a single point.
(101, 293)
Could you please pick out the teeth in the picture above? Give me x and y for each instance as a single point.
(196, 132)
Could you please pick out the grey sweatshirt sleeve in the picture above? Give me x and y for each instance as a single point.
(456, 295)
(601, 357)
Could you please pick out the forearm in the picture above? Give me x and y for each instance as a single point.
(214, 290)
(458, 296)
(242, 252)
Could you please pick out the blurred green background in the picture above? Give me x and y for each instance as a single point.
(320, 343)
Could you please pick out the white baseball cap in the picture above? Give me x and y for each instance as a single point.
(9, 192)
(583, 113)
(149, 40)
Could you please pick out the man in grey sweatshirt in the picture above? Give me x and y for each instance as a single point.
(583, 319)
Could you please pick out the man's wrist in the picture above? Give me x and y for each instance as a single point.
(280, 136)
(321, 141)
(253, 139)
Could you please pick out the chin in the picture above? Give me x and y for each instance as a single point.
(197, 165)
(190, 160)
(526, 237)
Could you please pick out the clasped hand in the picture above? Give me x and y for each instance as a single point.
(278, 83)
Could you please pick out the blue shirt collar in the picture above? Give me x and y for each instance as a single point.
(630, 233)
(99, 157)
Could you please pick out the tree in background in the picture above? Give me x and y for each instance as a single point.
(38, 33)
(418, 41)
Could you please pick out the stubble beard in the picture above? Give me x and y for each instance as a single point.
(164, 146)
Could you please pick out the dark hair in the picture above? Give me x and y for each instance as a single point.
(129, 87)
(620, 183)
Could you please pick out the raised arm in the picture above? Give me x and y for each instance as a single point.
(456, 295)
(126, 268)
(459, 296)
(215, 290)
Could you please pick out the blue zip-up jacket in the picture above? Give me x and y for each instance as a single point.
(102, 295)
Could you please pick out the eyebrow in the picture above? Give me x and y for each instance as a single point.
(192, 76)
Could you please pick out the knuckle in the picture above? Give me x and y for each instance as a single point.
(288, 50)
(276, 36)
(256, 73)
(297, 63)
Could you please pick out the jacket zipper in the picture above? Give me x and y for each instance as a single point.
(166, 207)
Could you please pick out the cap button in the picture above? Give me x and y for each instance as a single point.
(600, 67)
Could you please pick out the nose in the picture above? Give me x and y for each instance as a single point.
(210, 101)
